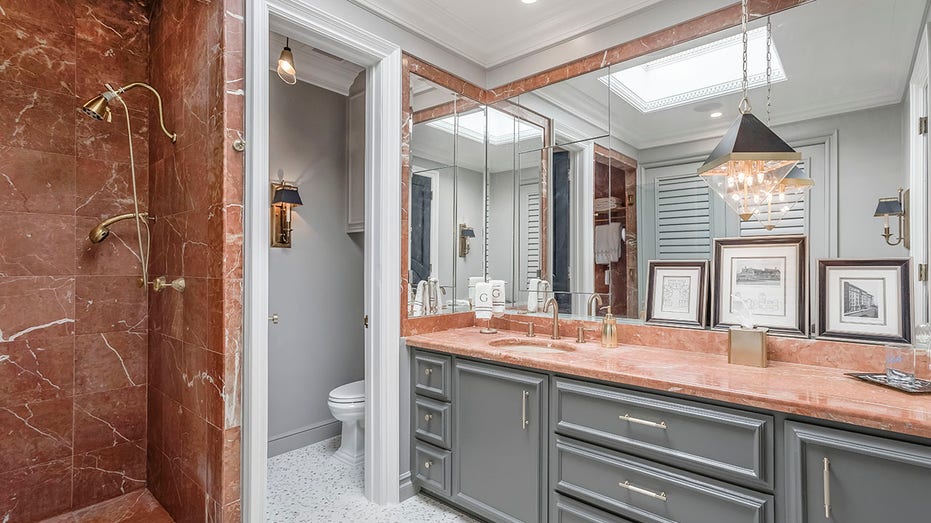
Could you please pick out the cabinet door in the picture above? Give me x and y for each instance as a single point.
(499, 465)
(840, 476)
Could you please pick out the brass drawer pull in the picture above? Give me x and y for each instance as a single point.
(427, 464)
(633, 488)
(427, 417)
(827, 488)
(631, 419)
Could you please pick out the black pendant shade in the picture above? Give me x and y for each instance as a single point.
(750, 139)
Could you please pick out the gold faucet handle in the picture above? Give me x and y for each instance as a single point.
(580, 335)
(530, 333)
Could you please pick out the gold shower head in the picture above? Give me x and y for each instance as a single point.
(100, 231)
(98, 107)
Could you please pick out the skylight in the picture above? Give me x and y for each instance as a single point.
(700, 73)
(501, 127)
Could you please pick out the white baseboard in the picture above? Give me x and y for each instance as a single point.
(407, 488)
(303, 436)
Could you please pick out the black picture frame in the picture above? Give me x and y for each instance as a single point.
(902, 266)
(701, 316)
(801, 326)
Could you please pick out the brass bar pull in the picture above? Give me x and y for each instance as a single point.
(827, 488)
(638, 421)
(524, 422)
(633, 488)
(427, 464)
(427, 417)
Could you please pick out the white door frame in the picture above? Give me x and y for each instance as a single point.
(382, 245)
(918, 154)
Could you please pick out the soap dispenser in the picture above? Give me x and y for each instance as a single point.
(608, 330)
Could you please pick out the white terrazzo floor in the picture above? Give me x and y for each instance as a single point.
(309, 485)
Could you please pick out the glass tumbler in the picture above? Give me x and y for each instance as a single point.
(900, 363)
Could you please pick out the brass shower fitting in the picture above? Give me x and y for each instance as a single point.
(98, 107)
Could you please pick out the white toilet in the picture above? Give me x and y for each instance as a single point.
(347, 403)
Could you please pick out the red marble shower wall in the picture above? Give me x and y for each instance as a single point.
(196, 190)
(72, 320)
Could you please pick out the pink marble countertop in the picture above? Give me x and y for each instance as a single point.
(808, 390)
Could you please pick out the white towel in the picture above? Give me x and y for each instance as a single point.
(497, 296)
(543, 291)
(472, 281)
(605, 204)
(608, 243)
(532, 290)
(418, 299)
(482, 300)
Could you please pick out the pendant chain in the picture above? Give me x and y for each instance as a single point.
(769, 69)
(744, 17)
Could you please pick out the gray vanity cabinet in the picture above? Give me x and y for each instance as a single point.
(499, 456)
(844, 477)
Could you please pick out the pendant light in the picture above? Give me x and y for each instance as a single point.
(286, 70)
(793, 190)
(750, 161)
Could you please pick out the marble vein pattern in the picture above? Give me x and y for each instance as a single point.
(807, 390)
(308, 485)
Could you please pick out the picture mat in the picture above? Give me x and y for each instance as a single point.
(836, 324)
(789, 287)
(692, 277)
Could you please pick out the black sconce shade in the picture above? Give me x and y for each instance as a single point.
(889, 207)
(285, 194)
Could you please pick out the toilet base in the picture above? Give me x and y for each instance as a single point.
(352, 444)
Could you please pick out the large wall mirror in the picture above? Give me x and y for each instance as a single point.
(583, 182)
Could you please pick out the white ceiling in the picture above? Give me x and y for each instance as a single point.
(491, 32)
(314, 66)
(839, 56)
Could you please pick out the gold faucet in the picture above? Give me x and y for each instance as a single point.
(546, 306)
(592, 311)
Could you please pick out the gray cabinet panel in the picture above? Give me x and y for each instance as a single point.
(868, 479)
(500, 436)
(649, 492)
(432, 375)
(432, 421)
(720, 442)
(432, 468)
(568, 510)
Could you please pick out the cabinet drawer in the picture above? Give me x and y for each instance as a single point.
(649, 492)
(432, 421)
(568, 510)
(726, 443)
(432, 375)
(840, 476)
(432, 468)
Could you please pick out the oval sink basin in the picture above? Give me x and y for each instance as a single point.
(533, 347)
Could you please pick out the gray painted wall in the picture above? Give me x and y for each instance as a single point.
(316, 285)
(871, 164)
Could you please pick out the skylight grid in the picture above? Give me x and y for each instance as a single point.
(700, 73)
(500, 127)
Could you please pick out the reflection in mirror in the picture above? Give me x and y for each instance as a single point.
(620, 184)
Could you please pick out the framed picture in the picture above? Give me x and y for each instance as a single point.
(677, 293)
(865, 300)
(765, 277)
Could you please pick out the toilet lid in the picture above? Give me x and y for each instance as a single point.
(349, 393)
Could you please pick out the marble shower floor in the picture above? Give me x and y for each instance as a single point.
(136, 507)
(309, 485)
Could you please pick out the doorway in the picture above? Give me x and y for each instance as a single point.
(381, 264)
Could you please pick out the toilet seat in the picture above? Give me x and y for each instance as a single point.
(349, 393)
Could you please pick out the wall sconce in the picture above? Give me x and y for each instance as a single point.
(465, 232)
(284, 197)
(897, 206)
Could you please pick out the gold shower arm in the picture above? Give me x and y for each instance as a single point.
(161, 117)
